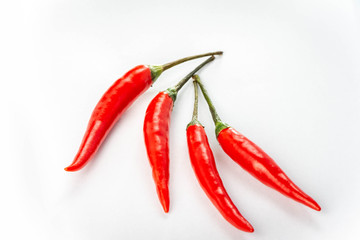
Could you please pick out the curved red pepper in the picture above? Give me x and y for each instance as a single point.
(114, 102)
(203, 163)
(156, 134)
(254, 160)
(108, 110)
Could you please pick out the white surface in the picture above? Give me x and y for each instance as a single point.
(288, 80)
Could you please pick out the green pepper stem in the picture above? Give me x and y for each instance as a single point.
(194, 120)
(196, 102)
(174, 63)
(180, 84)
(172, 92)
(214, 114)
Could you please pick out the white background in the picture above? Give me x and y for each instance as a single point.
(288, 80)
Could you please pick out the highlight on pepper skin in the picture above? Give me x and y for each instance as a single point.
(255, 161)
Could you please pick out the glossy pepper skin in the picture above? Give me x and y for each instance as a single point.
(156, 135)
(113, 104)
(255, 161)
(109, 109)
(203, 163)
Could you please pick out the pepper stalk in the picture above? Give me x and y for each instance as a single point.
(219, 124)
(172, 91)
(195, 115)
(157, 70)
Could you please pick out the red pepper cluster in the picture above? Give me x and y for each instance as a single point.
(156, 133)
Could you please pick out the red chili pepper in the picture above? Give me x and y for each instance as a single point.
(156, 134)
(254, 160)
(114, 102)
(203, 163)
